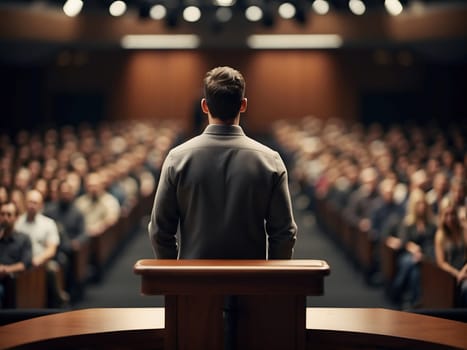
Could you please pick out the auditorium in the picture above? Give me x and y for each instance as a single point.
(233, 174)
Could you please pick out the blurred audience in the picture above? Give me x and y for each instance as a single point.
(45, 239)
(451, 245)
(15, 247)
(109, 167)
(415, 242)
(415, 168)
(100, 209)
(71, 228)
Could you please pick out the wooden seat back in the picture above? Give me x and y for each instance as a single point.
(27, 289)
(439, 288)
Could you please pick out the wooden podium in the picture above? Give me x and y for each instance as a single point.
(270, 296)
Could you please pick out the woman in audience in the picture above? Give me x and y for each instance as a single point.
(416, 234)
(450, 247)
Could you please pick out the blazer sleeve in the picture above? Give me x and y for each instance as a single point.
(280, 224)
(165, 215)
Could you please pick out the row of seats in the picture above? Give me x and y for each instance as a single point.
(28, 289)
(363, 184)
(122, 158)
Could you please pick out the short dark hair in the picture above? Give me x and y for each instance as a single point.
(9, 202)
(224, 90)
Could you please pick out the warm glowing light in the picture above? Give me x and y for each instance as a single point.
(357, 7)
(72, 8)
(176, 41)
(191, 14)
(117, 8)
(394, 7)
(158, 12)
(254, 13)
(321, 7)
(291, 41)
(287, 10)
(224, 3)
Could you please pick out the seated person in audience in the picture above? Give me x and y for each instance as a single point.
(418, 180)
(387, 214)
(100, 209)
(3, 194)
(462, 214)
(451, 245)
(15, 247)
(457, 191)
(111, 184)
(23, 179)
(45, 239)
(70, 223)
(384, 217)
(437, 193)
(416, 242)
(362, 202)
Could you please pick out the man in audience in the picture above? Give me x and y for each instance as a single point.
(362, 201)
(437, 193)
(23, 179)
(45, 239)
(227, 192)
(15, 247)
(70, 223)
(386, 215)
(100, 209)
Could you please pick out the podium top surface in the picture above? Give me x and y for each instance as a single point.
(176, 277)
(203, 266)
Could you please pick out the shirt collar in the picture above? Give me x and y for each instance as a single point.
(219, 129)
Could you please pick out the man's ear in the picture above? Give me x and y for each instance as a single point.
(243, 105)
(204, 106)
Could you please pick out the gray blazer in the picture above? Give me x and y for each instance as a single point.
(229, 194)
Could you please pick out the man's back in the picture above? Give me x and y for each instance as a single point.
(228, 191)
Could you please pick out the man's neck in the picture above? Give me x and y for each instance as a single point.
(217, 121)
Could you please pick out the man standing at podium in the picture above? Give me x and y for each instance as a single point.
(228, 193)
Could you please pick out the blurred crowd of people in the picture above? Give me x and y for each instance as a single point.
(61, 186)
(401, 185)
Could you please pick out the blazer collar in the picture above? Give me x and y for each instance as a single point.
(224, 130)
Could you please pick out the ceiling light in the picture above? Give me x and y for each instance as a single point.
(287, 10)
(191, 14)
(357, 7)
(158, 12)
(321, 7)
(117, 8)
(292, 41)
(224, 3)
(394, 7)
(253, 13)
(72, 8)
(176, 41)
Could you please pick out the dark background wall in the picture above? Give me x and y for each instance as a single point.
(57, 70)
(76, 85)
